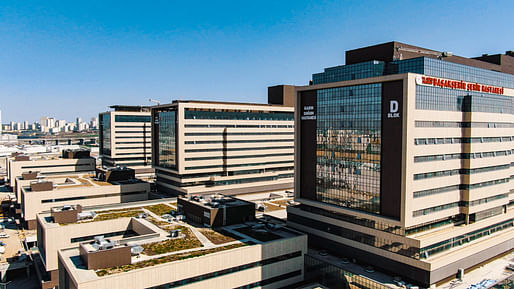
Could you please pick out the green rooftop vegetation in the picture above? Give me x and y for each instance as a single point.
(159, 209)
(161, 224)
(111, 215)
(188, 242)
(165, 259)
(218, 236)
(116, 215)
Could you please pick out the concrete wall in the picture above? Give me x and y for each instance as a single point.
(169, 272)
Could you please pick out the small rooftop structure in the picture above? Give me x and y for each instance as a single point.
(76, 154)
(41, 185)
(66, 214)
(216, 210)
(115, 174)
(30, 175)
(134, 108)
(102, 253)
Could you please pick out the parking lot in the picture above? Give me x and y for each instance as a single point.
(14, 242)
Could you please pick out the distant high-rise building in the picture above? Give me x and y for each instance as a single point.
(94, 123)
(204, 147)
(0, 122)
(125, 137)
(78, 121)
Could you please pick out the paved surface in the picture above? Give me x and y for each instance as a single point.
(16, 236)
(494, 270)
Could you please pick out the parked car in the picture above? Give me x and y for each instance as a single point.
(4, 235)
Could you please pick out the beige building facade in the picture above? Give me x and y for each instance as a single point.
(46, 165)
(86, 190)
(409, 166)
(215, 147)
(269, 265)
(125, 138)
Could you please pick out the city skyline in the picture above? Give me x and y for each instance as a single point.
(78, 59)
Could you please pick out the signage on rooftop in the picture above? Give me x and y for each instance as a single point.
(458, 84)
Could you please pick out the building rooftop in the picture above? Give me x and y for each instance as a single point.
(133, 108)
(175, 102)
(175, 241)
(72, 181)
(215, 201)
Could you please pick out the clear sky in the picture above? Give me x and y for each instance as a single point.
(75, 58)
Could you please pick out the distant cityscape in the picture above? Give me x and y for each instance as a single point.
(49, 125)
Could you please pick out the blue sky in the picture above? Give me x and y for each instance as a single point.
(75, 58)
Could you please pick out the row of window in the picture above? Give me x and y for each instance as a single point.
(237, 149)
(457, 140)
(133, 142)
(146, 125)
(241, 125)
(237, 165)
(237, 133)
(454, 172)
(238, 157)
(371, 240)
(225, 182)
(440, 190)
(132, 131)
(132, 118)
(238, 115)
(148, 152)
(227, 173)
(234, 270)
(435, 209)
(464, 156)
(90, 197)
(133, 148)
(373, 224)
(237, 141)
(463, 239)
(434, 224)
(147, 136)
(463, 124)
(483, 200)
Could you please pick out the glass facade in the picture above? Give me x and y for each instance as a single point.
(464, 239)
(329, 275)
(350, 72)
(235, 115)
(132, 118)
(420, 65)
(348, 146)
(106, 134)
(445, 99)
(167, 139)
